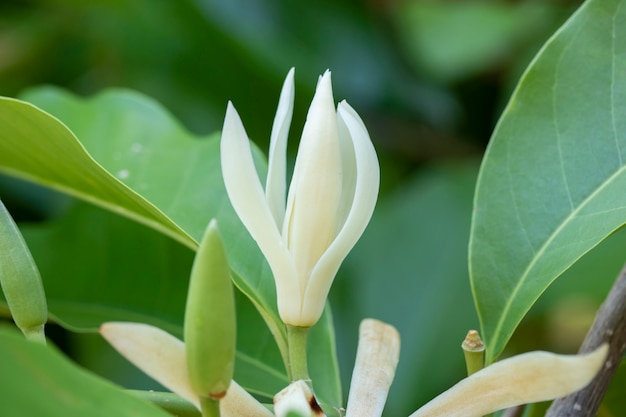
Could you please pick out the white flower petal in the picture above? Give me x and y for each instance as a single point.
(375, 367)
(238, 403)
(162, 357)
(348, 162)
(315, 191)
(246, 195)
(157, 353)
(365, 195)
(275, 186)
(522, 379)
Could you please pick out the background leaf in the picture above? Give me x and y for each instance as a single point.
(409, 270)
(39, 381)
(551, 184)
(453, 40)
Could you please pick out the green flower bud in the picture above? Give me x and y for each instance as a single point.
(20, 280)
(210, 325)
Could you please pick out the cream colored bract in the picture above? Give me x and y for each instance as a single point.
(307, 234)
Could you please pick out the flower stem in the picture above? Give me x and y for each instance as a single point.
(296, 339)
(210, 407)
(474, 351)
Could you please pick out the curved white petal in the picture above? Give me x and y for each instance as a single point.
(246, 195)
(275, 185)
(365, 195)
(238, 403)
(157, 353)
(315, 191)
(162, 357)
(522, 379)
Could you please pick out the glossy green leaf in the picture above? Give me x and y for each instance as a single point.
(145, 160)
(38, 381)
(138, 141)
(552, 180)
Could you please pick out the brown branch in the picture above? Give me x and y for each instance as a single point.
(608, 327)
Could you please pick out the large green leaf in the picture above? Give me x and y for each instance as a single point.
(166, 178)
(38, 381)
(176, 180)
(552, 182)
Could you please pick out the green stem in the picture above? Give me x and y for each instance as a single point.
(474, 351)
(296, 340)
(210, 407)
(36, 334)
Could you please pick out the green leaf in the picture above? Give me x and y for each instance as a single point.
(148, 169)
(551, 183)
(39, 381)
(323, 363)
(452, 41)
(177, 175)
(108, 268)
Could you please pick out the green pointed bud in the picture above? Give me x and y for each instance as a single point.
(210, 326)
(20, 280)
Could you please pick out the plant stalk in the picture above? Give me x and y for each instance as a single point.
(210, 407)
(296, 339)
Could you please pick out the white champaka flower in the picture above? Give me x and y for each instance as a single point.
(306, 234)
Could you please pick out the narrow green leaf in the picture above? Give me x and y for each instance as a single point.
(323, 362)
(552, 182)
(38, 381)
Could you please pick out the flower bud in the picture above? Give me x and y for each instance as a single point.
(210, 325)
(20, 280)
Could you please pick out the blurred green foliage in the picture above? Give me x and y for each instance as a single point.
(429, 78)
